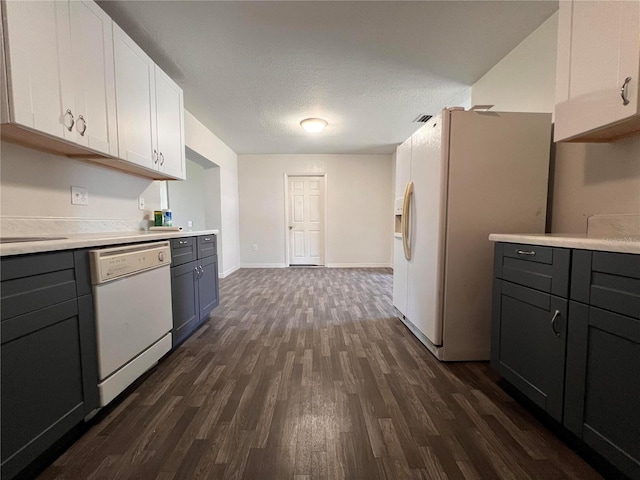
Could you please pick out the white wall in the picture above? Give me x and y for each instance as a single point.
(359, 213)
(37, 186)
(587, 179)
(187, 198)
(206, 144)
(524, 80)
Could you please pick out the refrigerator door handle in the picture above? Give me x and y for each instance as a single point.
(406, 220)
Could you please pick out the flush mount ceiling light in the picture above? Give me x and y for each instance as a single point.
(313, 125)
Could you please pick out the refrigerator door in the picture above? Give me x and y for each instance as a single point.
(400, 264)
(429, 175)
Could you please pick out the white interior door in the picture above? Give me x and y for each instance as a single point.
(306, 220)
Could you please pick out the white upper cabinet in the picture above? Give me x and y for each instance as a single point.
(598, 69)
(40, 80)
(73, 83)
(95, 104)
(170, 126)
(150, 111)
(135, 101)
(60, 65)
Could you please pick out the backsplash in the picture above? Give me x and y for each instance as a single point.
(615, 226)
(17, 226)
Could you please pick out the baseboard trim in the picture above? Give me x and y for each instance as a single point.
(359, 265)
(263, 265)
(229, 272)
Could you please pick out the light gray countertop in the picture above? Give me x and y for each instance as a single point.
(612, 243)
(86, 240)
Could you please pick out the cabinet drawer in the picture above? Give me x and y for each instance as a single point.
(541, 268)
(528, 343)
(206, 246)
(183, 250)
(607, 280)
(32, 282)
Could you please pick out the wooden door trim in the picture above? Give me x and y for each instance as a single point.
(287, 243)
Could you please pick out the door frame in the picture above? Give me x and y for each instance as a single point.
(287, 243)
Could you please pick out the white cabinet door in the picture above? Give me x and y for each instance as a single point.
(92, 48)
(170, 121)
(41, 68)
(598, 49)
(135, 101)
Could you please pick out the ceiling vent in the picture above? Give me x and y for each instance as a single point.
(423, 118)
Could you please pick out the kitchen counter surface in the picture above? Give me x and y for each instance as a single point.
(85, 240)
(612, 243)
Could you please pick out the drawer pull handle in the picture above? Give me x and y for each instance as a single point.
(197, 273)
(623, 91)
(207, 239)
(183, 242)
(201, 271)
(84, 125)
(529, 253)
(553, 323)
(73, 120)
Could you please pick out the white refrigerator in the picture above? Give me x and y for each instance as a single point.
(460, 177)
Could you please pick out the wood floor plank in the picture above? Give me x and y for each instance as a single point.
(307, 374)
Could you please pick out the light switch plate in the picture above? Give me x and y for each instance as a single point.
(140, 203)
(79, 196)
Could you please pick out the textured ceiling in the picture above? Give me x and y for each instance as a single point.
(252, 70)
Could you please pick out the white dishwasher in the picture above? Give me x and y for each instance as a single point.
(132, 304)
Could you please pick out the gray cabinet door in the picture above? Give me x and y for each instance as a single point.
(184, 299)
(529, 340)
(208, 286)
(602, 405)
(41, 382)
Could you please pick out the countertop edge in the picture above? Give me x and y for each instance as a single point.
(77, 241)
(603, 244)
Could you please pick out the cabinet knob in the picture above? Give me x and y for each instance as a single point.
(82, 128)
(68, 114)
(623, 91)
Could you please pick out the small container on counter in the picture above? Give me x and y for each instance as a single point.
(167, 218)
(158, 217)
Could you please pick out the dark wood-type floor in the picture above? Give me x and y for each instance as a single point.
(305, 374)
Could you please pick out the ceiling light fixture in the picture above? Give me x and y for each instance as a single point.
(313, 125)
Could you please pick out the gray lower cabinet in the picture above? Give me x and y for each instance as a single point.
(531, 338)
(194, 283)
(208, 286)
(577, 354)
(48, 362)
(602, 403)
(185, 304)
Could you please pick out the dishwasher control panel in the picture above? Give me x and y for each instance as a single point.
(116, 262)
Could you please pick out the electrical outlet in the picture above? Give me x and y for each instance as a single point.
(254, 247)
(189, 223)
(79, 196)
(140, 203)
